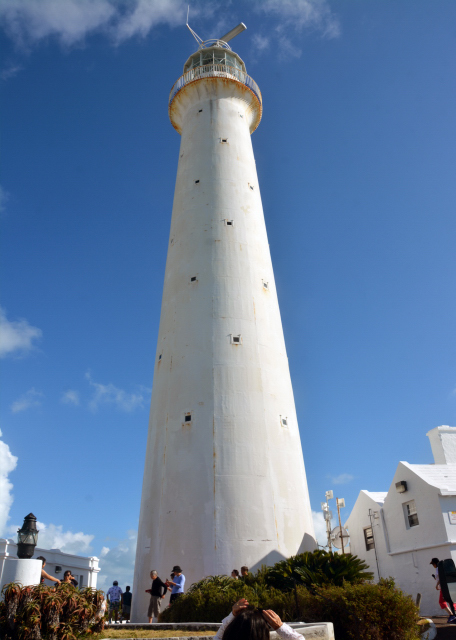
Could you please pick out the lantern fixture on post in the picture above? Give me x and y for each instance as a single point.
(27, 538)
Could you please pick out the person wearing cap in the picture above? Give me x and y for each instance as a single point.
(443, 605)
(178, 582)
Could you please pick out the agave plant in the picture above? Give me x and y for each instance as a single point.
(11, 596)
(51, 608)
(49, 613)
(317, 568)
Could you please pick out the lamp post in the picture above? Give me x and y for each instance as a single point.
(27, 538)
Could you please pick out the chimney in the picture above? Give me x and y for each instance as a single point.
(443, 444)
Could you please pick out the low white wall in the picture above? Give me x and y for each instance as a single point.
(25, 572)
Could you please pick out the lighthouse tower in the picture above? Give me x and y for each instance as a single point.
(224, 481)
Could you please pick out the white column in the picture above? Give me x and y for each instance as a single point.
(23, 571)
(228, 487)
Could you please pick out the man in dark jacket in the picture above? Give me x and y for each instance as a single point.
(157, 593)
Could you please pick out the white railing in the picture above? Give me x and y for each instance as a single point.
(215, 71)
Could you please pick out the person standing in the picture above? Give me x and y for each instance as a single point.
(178, 583)
(114, 597)
(69, 578)
(443, 604)
(126, 604)
(157, 592)
(44, 574)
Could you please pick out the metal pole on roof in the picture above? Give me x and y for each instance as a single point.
(372, 515)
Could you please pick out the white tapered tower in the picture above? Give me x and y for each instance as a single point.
(224, 480)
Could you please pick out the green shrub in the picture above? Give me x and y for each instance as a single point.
(358, 611)
(368, 611)
(316, 568)
(211, 599)
(49, 613)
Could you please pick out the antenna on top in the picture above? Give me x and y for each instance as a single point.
(234, 32)
(195, 35)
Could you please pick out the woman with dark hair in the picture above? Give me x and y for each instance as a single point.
(248, 623)
(235, 574)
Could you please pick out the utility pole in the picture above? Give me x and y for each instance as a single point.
(340, 503)
(327, 514)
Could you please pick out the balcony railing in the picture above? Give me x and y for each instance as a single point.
(215, 71)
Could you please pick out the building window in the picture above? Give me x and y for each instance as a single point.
(188, 417)
(229, 223)
(159, 357)
(224, 140)
(411, 516)
(236, 339)
(193, 279)
(200, 111)
(251, 187)
(196, 181)
(265, 285)
(284, 422)
(369, 538)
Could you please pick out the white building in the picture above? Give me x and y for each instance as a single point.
(85, 570)
(224, 481)
(398, 532)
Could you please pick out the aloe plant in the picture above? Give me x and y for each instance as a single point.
(50, 613)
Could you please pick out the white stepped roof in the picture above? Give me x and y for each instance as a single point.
(377, 496)
(441, 476)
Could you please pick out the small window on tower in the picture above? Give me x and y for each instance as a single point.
(251, 187)
(265, 285)
(196, 181)
(193, 279)
(229, 223)
(171, 241)
(188, 417)
(284, 421)
(200, 111)
(236, 339)
(241, 115)
(159, 357)
(225, 140)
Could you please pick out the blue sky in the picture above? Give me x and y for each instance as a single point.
(356, 161)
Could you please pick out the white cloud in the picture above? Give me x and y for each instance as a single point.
(53, 536)
(342, 478)
(16, 336)
(71, 21)
(4, 196)
(260, 42)
(8, 463)
(302, 14)
(294, 16)
(320, 528)
(110, 394)
(10, 70)
(117, 563)
(32, 398)
(146, 14)
(70, 397)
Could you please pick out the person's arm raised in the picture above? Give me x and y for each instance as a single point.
(283, 630)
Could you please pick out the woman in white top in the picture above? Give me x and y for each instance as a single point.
(247, 623)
